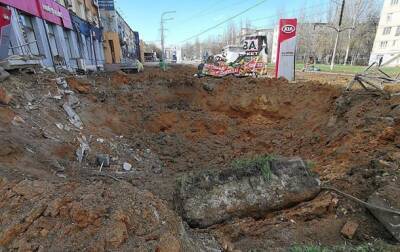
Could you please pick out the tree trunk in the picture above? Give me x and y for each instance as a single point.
(349, 43)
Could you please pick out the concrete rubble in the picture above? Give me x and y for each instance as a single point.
(214, 196)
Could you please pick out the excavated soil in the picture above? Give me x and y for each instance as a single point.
(168, 123)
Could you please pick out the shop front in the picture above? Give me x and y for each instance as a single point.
(89, 39)
(41, 32)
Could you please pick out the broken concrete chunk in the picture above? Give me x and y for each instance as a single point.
(3, 74)
(214, 196)
(349, 229)
(387, 197)
(73, 116)
(62, 82)
(127, 166)
(73, 101)
(83, 149)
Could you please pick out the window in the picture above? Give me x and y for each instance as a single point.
(89, 48)
(398, 31)
(394, 43)
(81, 10)
(394, 2)
(68, 41)
(52, 39)
(389, 17)
(384, 44)
(387, 30)
(29, 36)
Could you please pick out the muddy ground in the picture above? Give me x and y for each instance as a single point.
(168, 123)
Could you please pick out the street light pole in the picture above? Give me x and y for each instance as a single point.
(162, 27)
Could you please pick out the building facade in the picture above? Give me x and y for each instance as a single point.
(121, 44)
(43, 32)
(86, 21)
(387, 40)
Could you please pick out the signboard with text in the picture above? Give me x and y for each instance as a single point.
(251, 45)
(285, 64)
(48, 10)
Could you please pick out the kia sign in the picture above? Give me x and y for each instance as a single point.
(288, 29)
(285, 64)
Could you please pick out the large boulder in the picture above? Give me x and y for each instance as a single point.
(248, 190)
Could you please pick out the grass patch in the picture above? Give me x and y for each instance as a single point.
(263, 162)
(348, 69)
(310, 165)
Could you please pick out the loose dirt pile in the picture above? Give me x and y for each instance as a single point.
(165, 124)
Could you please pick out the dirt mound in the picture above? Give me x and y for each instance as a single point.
(5, 98)
(78, 85)
(43, 216)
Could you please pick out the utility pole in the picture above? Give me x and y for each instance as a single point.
(162, 28)
(338, 31)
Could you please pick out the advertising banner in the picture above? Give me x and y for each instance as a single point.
(251, 45)
(285, 64)
(48, 10)
(5, 28)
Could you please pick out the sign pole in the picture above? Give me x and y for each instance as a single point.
(286, 54)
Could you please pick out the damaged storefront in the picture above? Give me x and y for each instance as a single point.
(42, 33)
(89, 47)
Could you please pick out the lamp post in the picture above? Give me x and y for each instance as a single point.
(163, 20)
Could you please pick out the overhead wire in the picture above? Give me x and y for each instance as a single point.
(293, 11)
(225, 21)
(204, 11)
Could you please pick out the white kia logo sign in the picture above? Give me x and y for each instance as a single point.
(288, 29)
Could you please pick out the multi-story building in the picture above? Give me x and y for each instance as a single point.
(45, 32)
(387, 40)
(121, 44)
(86, 21)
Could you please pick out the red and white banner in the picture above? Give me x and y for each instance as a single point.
(285, 64)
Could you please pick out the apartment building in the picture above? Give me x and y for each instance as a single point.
(121, 43)
(387, 40)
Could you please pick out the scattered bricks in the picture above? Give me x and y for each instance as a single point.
(349, 229)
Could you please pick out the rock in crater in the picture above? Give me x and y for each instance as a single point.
(214, 196)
